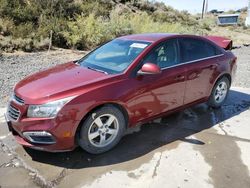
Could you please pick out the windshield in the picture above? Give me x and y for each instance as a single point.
(113, 57)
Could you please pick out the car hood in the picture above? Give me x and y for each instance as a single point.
(58, 82)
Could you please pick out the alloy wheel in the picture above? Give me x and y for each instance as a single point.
(220, 92)
(103, 130)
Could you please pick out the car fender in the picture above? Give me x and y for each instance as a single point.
(225, 73)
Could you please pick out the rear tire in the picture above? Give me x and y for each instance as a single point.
(102, 130)
(219, 93)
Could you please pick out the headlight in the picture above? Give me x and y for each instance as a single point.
(47, 110)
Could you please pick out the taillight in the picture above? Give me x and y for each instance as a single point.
(234, 60)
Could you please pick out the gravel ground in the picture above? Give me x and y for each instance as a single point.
(15, 66)
(243, 70)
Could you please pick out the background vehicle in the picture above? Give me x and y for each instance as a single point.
(130, 80)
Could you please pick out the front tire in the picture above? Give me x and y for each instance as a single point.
(219, 93)
(102, 130)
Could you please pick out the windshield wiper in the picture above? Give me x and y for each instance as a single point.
(97, 70)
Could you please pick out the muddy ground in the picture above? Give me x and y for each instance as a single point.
(198, 147)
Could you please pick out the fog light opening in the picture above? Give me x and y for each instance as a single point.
(39, 137)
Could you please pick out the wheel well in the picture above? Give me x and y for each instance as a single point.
(228, 76)
(118, 106)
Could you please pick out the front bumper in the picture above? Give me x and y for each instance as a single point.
(53, 135)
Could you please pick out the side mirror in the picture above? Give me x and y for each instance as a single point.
(149, 68)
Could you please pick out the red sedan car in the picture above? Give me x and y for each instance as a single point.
(130, 80)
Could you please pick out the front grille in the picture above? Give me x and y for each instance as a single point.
(18, 99)
(13, 113)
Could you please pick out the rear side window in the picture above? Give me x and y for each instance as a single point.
(212, 49)
(194, 49)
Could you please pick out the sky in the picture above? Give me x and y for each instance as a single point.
(195, 6)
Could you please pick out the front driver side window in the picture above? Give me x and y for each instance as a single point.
(164, 55)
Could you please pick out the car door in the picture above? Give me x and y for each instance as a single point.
(161, 92)
(200, 60)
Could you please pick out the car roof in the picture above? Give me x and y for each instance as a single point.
(149, 37)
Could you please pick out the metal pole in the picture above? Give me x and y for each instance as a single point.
(203, 9)
(206, 7)
(247, 23)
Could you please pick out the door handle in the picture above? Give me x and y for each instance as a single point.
(193, 75)
(179, 77)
